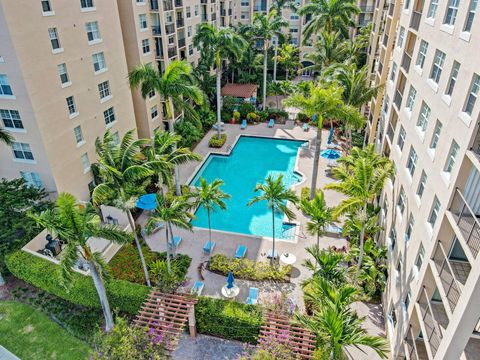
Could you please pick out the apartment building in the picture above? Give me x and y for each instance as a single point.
(427, 121)
(63, 83)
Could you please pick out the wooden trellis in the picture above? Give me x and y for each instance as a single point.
(167, 315)
(300, 340)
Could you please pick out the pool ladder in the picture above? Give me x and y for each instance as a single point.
(229, 148)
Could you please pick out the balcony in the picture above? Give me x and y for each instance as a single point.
(169, 29)
(180, 23)
(181, 43)
(391, 9)
(433, 332)
(415, 346)
(156, 30)
(380, 67)
(467, 222)
(172, 52)
(167, 5)
(203, 1)
(415, 20)
(158, 52)
(476, 145)
(178, 3)
(366, 8)
(397, 100)
(390, 132)
(154, 5)
(204, 17)
(406, 60)
(385, 40)
(214, 16)
(230, 12)
(223, 12)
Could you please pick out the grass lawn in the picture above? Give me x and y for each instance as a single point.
(29, 334)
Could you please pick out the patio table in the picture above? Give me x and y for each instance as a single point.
(288, 258)
(230, 293)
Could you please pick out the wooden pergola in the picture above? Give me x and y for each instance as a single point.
(167, 315)
(300, 340)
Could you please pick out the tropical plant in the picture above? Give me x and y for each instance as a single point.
(276, 194)
(210, 197)
(215, 46)
(289, 57)
(174, 212)
(325, 264)
(5, 137)
(319, 213)
(329, 49)
(76, 224)
(322, 103)
(275, 89)
(165, 280)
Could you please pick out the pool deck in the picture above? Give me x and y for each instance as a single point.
(226, 243)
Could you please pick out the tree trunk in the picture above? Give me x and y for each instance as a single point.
(178, 189)
(273, 237)
(318, 240)
(286, 74)
(275, 62)
(276, 97)
(316, 158)
(139, 248)
(209, 226)
(170, 229)
(168, 248)
(2, 280)
(219, 98)
(102, 295)
(265, 64)
(362, 240)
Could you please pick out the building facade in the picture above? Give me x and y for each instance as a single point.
(426, 120)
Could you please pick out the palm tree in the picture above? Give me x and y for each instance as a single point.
(172, 213)
(210, 197)
(5, 137)
(75, 224)
(275, 89)
(215, 46)
(264, 27)
(276, 194)
(322, 103)
(319, 213)
(289, 58)
(121, 167)
(329, 15)
(329, 49)
(176, 86)
(361, 180)
(326, 265)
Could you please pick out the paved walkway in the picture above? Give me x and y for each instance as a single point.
(205, 347)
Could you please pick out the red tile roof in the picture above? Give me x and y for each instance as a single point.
(239, 90)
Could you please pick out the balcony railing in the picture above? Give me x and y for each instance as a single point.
(181, 43)
(204, 17)
(411, 345)
(180, 23)
(169, 29)
(156, 30)
(406, 60)
(158, 52)
(390, 132)
(178, 3)
(167, 5)
(415, 20)
(154, 5)
(433, 334)
(366, 8)
(172, 51)
(467, 221)
(397, 100)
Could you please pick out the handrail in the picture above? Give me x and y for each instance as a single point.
(455, 282)
(474, 248)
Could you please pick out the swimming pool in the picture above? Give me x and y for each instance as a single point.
(250, 162)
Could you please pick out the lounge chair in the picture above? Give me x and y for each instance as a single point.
(208, 247)
(197, 288)
(241, 251)
(244, 124)
(176, 241)
(334, 230)
(252, 296)
(270, 254)
(271, 122)
(305, 127)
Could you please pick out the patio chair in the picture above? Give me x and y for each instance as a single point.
(208, 247)
(244, 124)
(334, 230)
(252, 296)
(176, 241)
(271, 122)
(197, 288)
(305, 127)
(241, 251)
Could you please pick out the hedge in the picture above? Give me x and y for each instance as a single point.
(126, 296)
(215, 142)
(228, 319)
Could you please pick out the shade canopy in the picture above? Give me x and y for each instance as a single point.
(230, 280)
(330, 154)
(147, 202)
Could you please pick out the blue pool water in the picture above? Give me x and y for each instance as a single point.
(250, 162)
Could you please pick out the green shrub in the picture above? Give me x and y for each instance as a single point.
(215, 142)
(302, 117)
(246, 108)
(236, 116)
(228, 319)
(207, 117)
(126, 296)
(251, 117)
(225, 116)
(305, 193)
(189, 131)
(229, 104)
(248, 269)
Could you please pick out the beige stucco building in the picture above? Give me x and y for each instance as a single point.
(426, 121)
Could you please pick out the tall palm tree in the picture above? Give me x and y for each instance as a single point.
(75, 224)
(264, 27)
(211, 198)
(275, 89)
(289, 57)
(215, 46)
(5, 137)
(176, 86)
(326, 265)
(361, 180)
(319, 213)
(330, 48)
(121, 168)
(172, 213)
(276, 194)
(329, 15)
(322, 103)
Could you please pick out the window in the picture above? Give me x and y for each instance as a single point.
(407, 300)
(393, 238)
(11, 119)
(407, 4)
(409, 229)
(145, 46)
(401, 201)
(394, 71)
(472, 95)
(62, 72)
(142, 21)
(437, 66)
(451, 14)
(453, 78)
(31, 178)
(116, 138)
(104, 89)
(432, 9)
(52, 33)
(5, 88)
(190, 49)
(154, 112)
(22, 151)
(188, 12)
(151, 94)
(189, 31)
(434, 212)
(412, 161)
(421, 185)
(77, 131)
(452, 157)
(436, 135)
(85, 4)
(109, 116)
(412, 93)
(195, 10)
(420, 257)
(92, 31)
(401, 36)
(422, 53)
(85, 162)
(46, 7)
(98, 62)
(401, 138)
(72, 108)
(244, 3)
(423, 117)
(470, 15)
(392, 317)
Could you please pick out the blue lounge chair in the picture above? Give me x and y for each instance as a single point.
(197, 288)
(208, 247)
(176, 241)
(252, 296)
(241, 251)
(334, 230)
(305, 127)
(271, 123)
(244, 124)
